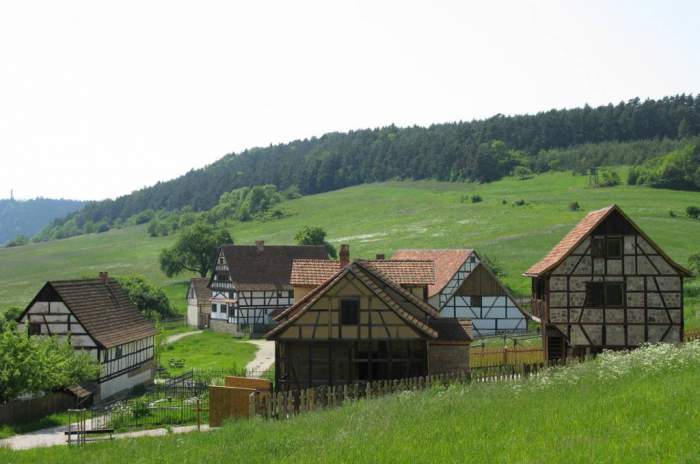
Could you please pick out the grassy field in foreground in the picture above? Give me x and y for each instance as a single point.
(207, 350)
(380, 218)
(638, 407)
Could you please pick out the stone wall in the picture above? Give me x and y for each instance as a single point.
(448, 357)
(218, 325)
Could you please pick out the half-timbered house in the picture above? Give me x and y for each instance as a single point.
(606, 285)
(465, 287)
(198, 303)
(359, 325)
(251, 281)
(98, 317)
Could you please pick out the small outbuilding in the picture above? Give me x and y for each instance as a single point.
(98, 318)
(198, 303)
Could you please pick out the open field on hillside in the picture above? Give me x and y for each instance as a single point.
(635, 407)
(384, 217)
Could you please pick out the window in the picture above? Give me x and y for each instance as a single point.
(608, 294)
(613, 294)
(607, 248)
(34, 328)
(598, 247)
(475, 301)
(613, 248)
(221, 260)
(350, 311)
(539, 289)
(118, 352)
(213, 308)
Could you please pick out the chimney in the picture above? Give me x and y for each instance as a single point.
(344, 255)
(260, 244)
(104, 276)
(380, 256)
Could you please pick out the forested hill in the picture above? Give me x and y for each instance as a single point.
(27, 217)
(482, 150)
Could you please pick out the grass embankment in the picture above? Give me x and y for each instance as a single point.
(638, 407)
(380, 218)
(207, 350)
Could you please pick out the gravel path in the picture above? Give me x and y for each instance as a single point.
(264, 358)
(176, 337)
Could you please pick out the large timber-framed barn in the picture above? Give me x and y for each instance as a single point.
(251, 281)
(358, 326)
(606, 285)
(99, 318)
(465, 287)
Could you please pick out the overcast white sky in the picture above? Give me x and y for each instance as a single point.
(100, 98)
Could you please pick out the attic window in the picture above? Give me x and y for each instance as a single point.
(475, 301)
(598, 247)
(350, 311)
(613, 248)
(221, 260)
(604, 294)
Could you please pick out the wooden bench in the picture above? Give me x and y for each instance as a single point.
(91, 432)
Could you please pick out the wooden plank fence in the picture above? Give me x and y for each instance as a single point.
(22, 411)
(494, 357)
(285, 404)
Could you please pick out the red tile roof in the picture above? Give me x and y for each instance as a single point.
(313, 272)
(447, 263)
(574, 238)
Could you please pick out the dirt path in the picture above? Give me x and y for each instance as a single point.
(55, 436)
(264, 358)
(176, 337)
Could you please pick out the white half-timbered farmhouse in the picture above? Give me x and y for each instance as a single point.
(466, 288)
(198, 303)
(100, 319)
(250, 281)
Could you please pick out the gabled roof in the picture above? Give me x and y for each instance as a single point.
(447, 263)
(267, 267)
(410, 309)
(313, 272)
(200, 285)
(579, 233)
(452, 329)
(103, 308)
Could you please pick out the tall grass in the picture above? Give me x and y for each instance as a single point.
(637, 407)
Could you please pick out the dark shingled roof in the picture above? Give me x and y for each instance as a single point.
(268, 267)
(452, 330)
(105, 310)
(201, 288)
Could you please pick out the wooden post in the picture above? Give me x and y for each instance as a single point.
(251, 407)
(199, 417)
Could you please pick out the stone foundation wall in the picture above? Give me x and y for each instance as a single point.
(445, 358)
(218, 325)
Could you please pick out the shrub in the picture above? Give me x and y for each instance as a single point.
(671, 213)
(522, 172)
(519, 202)
(694, 263)
(574, 206)
(19, 240)
(692, 212)
(504, 202)
(609, 178)
(476, 198)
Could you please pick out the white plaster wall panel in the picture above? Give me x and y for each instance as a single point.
(595, 333)
(615, 266)
(614, 278)
(58, 328)
(635, 283)
(630, 265)
(615, 335)
(494, 313)
(577, 299)
(578, 284)
(673, 300)
(635, 299)
(434, 301)
(674, 335)
(558, 315)
(124, 382)
(514, 313)
(676, 315)
(484, 324)
(614, 315)
(629, 244)
(567, 266)
(577, 336)
(598, 266)
(59, 307)
(192, 315)
(644, 266)
(662, 265)
(510, 324)
(657, 316)
(635, 316)
(557, 299)
(592, 315)
(55, 318)
(635, 334)
(656, 332)
(644, 246)
(654, 300)
(557, 283)
(583, 246)
(575, 314)
(671, 284)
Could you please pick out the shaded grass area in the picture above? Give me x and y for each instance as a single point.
(380, 218)
(52, 420)
(207, 350)
(638, 408)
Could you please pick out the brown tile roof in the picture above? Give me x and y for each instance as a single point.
(412, 310)
(269, 269)
(201, 288)
(313, 272)
(574, 238)
(447, 262)
(452, 329)
(105, 310)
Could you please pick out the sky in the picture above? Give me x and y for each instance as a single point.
(98, 99)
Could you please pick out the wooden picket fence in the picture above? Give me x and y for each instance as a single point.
(285, 404)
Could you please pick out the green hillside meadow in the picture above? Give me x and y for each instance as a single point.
(620, 408)
(380, 218)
